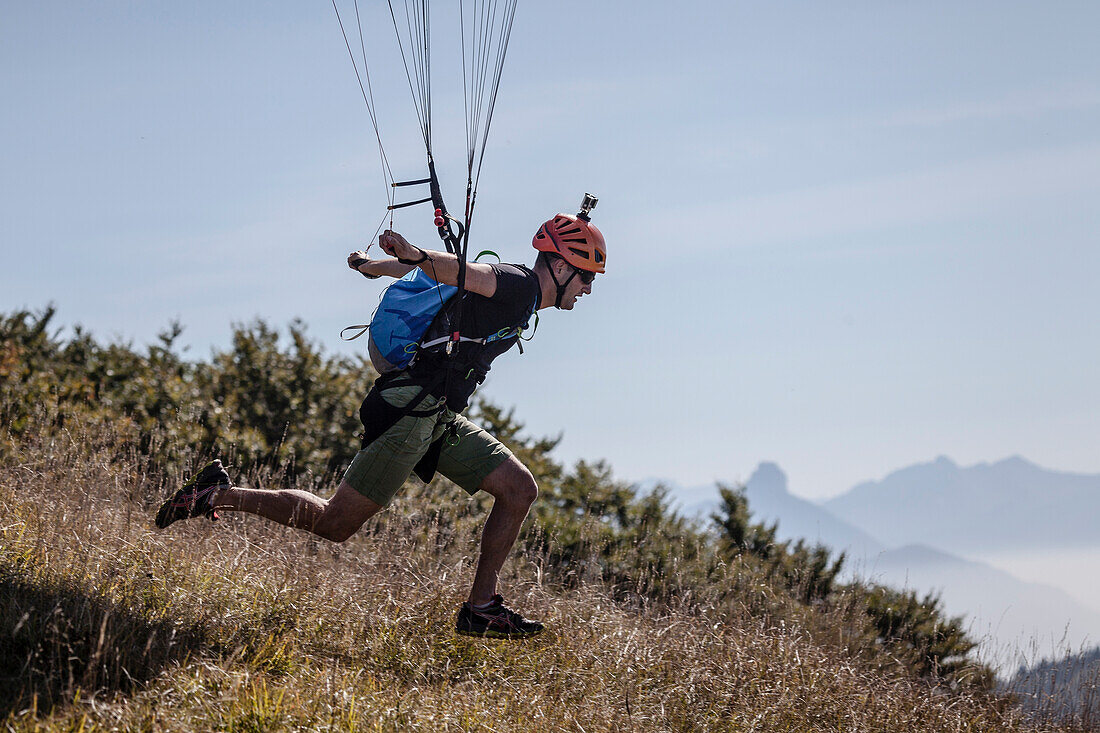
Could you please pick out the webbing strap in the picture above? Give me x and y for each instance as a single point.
(403, 380)
(445, 339)
(363, 328)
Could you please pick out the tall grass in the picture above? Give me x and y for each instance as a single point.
(242, 625)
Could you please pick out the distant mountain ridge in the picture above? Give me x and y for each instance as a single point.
(1010, 504)
(908, 531)
(771, 501)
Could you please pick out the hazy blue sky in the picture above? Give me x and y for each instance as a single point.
(842, 236)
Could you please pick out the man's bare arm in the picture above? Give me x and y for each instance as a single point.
(360, 262)
(439, 266)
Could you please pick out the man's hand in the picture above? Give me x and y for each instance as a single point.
(394, 244)
(359, 261)
(442, 266)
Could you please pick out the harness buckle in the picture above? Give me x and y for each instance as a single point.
(451, 436)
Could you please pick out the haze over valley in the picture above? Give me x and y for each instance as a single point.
(1013, 546)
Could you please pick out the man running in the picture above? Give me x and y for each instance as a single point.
(431, 435)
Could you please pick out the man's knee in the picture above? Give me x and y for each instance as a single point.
(344, 514)
(335, 530)
(525, 490)
(512, 483)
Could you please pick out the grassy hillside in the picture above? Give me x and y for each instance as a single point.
(240, 625)
(243, 626)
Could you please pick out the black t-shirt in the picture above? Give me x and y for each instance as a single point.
(515, 300)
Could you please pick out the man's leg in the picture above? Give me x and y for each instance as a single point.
(335, 519)
(480, 462)
(513, 489)
(376, 473)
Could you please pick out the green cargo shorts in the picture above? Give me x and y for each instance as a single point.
(379, 470)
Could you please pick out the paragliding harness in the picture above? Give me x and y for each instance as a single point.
(414, 298)
(415, 317)
(378, 415)
(419, 316)
(484, 38)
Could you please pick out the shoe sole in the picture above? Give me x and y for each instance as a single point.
(498, 634)
(163, 519)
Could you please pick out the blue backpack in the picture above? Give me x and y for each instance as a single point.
(407, 308)
(404, 316)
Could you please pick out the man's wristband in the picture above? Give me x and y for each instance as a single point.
(423, 258)
(359, 262)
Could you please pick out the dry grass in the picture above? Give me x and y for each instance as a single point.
(245, 626)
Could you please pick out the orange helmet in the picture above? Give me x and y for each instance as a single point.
(575, 239)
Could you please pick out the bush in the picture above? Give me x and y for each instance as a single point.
(277, 404)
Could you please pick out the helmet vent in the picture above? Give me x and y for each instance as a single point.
(579, 252)
(574, 230)
(599, 256)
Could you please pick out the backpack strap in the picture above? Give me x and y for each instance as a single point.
(378, 416)
(363, 328)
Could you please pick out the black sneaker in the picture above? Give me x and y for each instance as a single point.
(497, 621)
(196, 498)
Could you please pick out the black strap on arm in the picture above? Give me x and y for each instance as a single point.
(423, 258)
(359, 262)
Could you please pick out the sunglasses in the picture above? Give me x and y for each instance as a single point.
(586, 276)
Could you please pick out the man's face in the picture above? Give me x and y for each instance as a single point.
(577, 285)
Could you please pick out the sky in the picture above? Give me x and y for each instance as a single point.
(844, 237)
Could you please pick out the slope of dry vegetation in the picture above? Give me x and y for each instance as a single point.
(240, 625)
